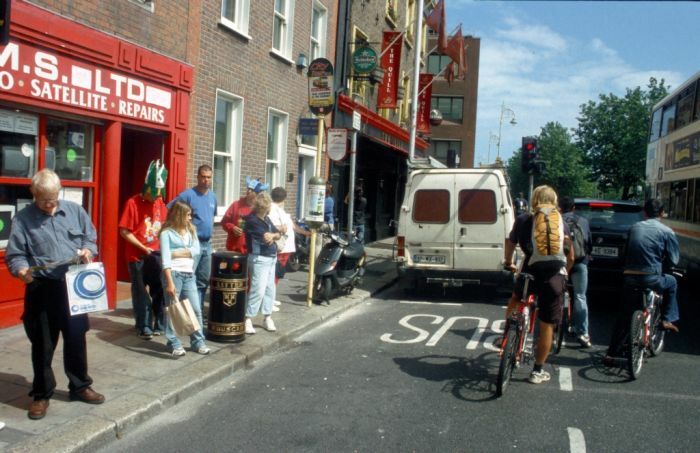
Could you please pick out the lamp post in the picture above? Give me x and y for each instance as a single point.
(493, 138)
(505, 112)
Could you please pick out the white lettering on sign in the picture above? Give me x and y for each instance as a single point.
(27, 71)
(422, 334)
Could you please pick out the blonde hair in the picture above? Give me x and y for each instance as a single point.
(262, 204)
(543, 195)
(177, 218)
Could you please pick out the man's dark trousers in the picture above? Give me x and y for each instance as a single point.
(46, 314)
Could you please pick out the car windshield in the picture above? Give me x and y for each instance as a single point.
(610, 215)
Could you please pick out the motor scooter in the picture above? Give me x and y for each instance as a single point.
(339, 267)
(301, 254)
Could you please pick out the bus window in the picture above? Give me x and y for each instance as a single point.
(668, 119)
(655, 131)
(685, 107)
(696, 204)
(697, 101)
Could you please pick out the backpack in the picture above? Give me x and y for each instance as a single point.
(578, 237)
(547, 240)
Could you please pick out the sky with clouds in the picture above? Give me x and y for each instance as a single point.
(544, 59)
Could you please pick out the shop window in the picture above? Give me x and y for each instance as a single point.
(234, 15)
(228, 131)
(277, 124)
(477, 206)
(18, 144)
(69, 151)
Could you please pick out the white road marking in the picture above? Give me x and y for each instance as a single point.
(577, 443)
(415, 302)
(565, 382)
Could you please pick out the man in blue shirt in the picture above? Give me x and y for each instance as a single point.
(651, 246)
(46, 237)
(202, 201)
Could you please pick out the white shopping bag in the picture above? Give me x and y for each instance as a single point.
(87, 288)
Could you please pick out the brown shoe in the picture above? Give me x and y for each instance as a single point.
(88, 395)
(669, 326)
(37, 410)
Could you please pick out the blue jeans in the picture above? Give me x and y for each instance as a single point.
(663, 284)
(185, 288)
(360, 233)
(579, 279)
(262, 285)
(202, 270)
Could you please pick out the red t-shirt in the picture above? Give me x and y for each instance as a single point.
(235, 215)
(144, 219)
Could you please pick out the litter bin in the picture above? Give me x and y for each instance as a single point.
(227, 297)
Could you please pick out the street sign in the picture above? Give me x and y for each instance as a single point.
(356, 120)
(308, 126)
(320, 86)
(337, 144)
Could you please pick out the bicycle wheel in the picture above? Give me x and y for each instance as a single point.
(505, 369)
(657, 335)
(635, 354)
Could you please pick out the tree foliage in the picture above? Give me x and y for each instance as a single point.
(566, 171)
(612, 134)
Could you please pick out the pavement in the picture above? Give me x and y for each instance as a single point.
(140, 379)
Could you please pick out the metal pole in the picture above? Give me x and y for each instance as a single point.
(351, 194)
(312, 246)
(531, 182)
(416, 74)
(500, 125)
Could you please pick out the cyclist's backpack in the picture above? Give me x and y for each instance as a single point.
(547, 240)
(578, 238)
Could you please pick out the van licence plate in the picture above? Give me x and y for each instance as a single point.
(605, 251)
(429, 259)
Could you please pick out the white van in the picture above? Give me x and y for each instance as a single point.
(452, 227)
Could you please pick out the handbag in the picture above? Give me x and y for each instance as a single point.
(86, 286)
(182, 316)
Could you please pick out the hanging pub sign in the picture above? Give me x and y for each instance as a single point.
(320, 75)
(425, 90)
(364, 60)
(391, 60)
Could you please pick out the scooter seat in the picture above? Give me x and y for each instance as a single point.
(354, 250)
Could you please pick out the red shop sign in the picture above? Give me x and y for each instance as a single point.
(45, 75)
(391, 61)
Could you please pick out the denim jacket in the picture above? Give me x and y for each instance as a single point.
(651, 244)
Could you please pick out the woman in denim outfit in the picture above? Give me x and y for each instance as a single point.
(179, 247)
(260, 236)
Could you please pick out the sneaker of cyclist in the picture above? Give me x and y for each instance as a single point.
(651, 247)
(550, 276)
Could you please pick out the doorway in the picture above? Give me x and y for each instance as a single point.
(139, 148)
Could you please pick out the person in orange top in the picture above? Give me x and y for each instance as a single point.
(233, 221)
(140, 225)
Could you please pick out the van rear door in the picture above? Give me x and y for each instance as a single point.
(430, 232)
(479, 226)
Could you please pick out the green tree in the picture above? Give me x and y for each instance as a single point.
(565, 171)
(613, 133)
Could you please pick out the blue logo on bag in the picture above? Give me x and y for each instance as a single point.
(89, 284)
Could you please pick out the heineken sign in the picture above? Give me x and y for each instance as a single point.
(364, 59)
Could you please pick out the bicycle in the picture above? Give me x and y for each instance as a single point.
(565, 324)
(519, 326)
(646, 334)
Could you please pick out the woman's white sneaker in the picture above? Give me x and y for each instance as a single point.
(269, 324)
(179, 352)
(249, 329)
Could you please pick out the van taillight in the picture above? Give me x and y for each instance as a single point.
(400, 244)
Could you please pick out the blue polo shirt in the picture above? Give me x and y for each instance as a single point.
(203, 210)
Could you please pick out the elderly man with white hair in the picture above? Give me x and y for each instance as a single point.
(45, 238)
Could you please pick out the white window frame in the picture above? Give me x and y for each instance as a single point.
(287, 34)
(279, 159)
(320, 13)
(232, 172)
(239, 23)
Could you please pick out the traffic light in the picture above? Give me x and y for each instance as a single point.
(530, 155)
(5, 22)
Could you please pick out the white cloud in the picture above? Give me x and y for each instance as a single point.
(529, 34)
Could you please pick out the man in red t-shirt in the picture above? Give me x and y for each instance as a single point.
(233, 221)
(139, 225)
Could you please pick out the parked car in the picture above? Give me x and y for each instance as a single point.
(610, 223)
